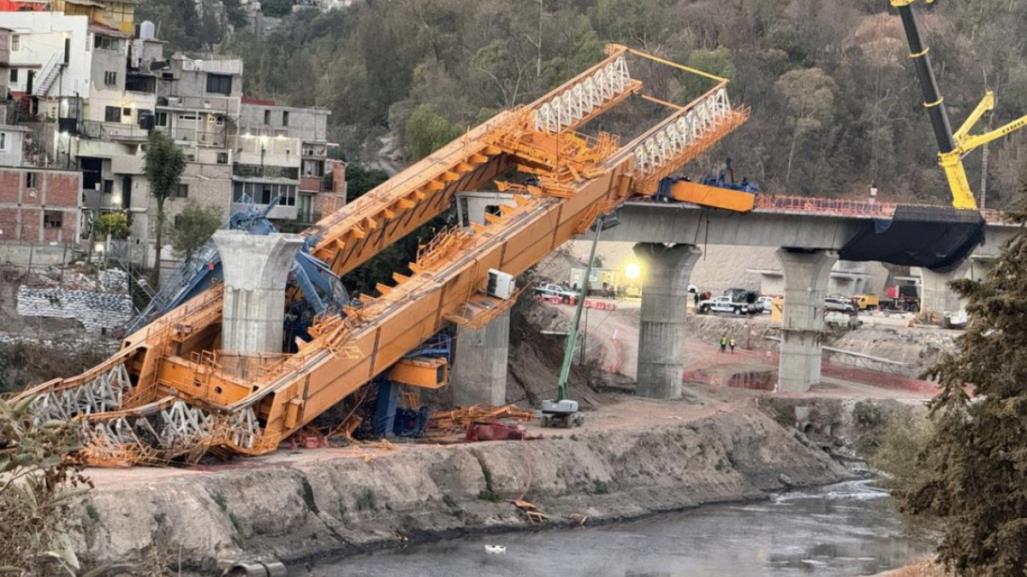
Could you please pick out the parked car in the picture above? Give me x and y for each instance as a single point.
(839, 304)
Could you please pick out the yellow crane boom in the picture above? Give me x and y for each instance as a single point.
(952, 147)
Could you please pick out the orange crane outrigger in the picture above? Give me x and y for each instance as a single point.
(165, 395)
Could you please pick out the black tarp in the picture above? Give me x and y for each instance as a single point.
(937, 238)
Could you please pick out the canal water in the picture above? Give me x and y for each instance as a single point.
(848, 529)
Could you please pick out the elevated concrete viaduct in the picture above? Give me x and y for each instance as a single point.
(669, 237)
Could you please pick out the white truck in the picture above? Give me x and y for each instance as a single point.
(727, 304)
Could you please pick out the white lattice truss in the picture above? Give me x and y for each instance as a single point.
(667, 144)
(175, 429)
(99, 395)
(579, 101)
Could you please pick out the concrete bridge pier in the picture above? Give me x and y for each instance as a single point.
(256, 269)
(661, 334)
(937, 297)
(479, 364)
(806, 273)
(478, 375)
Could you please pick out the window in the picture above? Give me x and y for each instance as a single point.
(105, 42)
(31, 179)
(260, 193)
(15, 42)
(112, 114)
(3, 141)
(219, 84)
(222, 158)
(14, 75)
(53, 219)
(162, 118)
(110, 78)
(108, 186)
(313, 167)
(267, 117)
(285, 118)
(126, 112)
(181, 191)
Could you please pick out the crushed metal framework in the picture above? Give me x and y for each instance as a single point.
(166, 395)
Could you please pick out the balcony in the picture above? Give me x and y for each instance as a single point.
(113, 131)
(268, 171)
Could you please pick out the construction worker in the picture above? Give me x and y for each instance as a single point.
(723, 343)
(732, 344)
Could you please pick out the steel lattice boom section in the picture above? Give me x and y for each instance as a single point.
(166, 395)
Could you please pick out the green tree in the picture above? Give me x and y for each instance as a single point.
(360, 179)
(809, 96)
(177, 22)
(235, 13)
(426, 131)
(976, 463)
(165, 163)
(277, 8)
(193, 227)
(113, 225)
(39, 485)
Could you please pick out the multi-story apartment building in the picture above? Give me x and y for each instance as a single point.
(90, 88)
(37, 205)
(321, 182)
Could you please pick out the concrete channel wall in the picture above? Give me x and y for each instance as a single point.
(343, 501)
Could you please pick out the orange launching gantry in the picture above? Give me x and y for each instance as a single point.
(166, 395)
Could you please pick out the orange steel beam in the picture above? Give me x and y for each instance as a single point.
(180, 398)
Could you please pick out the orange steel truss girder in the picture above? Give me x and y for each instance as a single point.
(193, 404)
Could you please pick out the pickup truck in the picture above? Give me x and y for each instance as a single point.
(839, 305)
(555, 292)
(725, 304)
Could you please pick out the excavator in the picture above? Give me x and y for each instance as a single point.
(170, 395)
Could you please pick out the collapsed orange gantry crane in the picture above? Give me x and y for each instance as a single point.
(164, 395)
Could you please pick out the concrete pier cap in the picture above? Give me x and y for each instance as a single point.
(661, 334)
(806, 274)
(256, 270)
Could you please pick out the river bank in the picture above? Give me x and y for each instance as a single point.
(633, 458)
(847, 529)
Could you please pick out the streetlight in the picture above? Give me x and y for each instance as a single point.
(633, 271)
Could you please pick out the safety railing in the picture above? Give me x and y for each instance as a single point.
(849, 207)
(826, 206)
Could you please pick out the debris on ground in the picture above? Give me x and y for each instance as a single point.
(460, 419)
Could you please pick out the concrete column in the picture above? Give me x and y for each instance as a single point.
(478, 376)
(256, 269)
(661, 334)
(479, 364)
(806, 275)
(937, 297)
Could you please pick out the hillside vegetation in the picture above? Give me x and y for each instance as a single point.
(835, 103)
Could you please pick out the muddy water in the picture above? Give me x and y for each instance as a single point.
(847, 529)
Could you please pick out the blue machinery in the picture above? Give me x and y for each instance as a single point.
(322, 290)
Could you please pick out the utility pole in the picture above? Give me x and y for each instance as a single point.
(538, 65)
